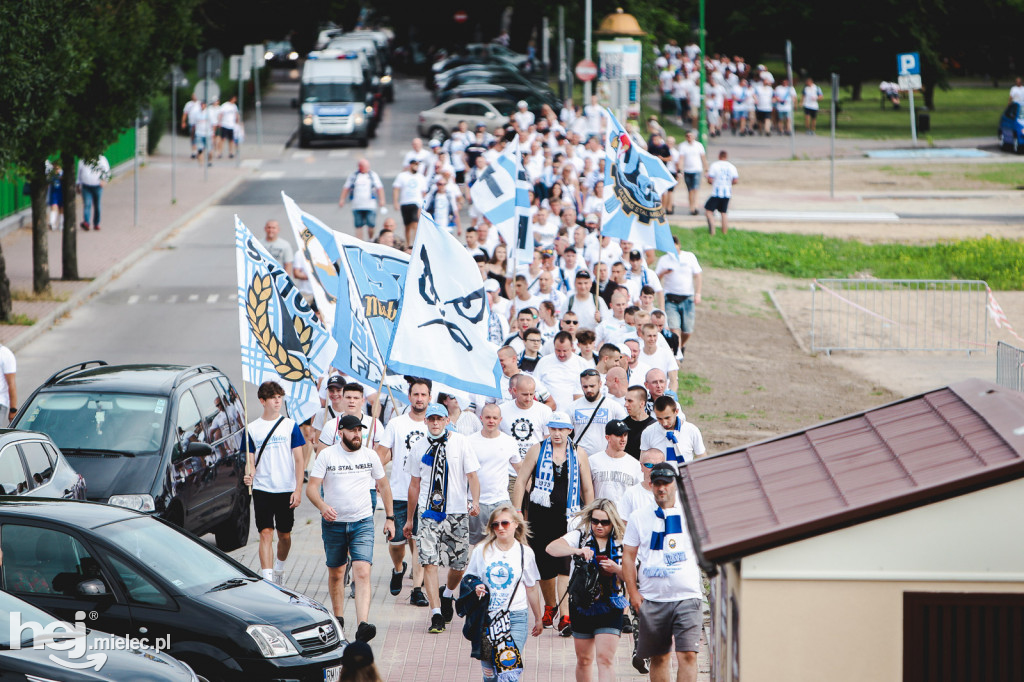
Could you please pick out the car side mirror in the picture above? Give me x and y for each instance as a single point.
(196, 449)
(295, 102)
(369, 99)
(92, 588)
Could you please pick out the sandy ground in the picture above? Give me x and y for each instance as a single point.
(753, 329)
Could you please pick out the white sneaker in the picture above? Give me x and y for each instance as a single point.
(279, 578)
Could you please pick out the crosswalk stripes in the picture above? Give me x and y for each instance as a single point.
(208, 299)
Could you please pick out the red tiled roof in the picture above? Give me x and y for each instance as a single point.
(866, 465)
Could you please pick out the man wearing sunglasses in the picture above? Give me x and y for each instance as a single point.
(525, 319)
(640, 495)
(592, 412)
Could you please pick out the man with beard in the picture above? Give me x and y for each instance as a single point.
(638, 418)
(591, 412)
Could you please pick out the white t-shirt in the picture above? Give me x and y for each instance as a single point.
(812, 93)
(8, 365)
(411, 188)
(525, 426)
(461, 460)
(691, 153)
(634, 498)
(276, 470)
(763, 94)
(422, 156)
(676, 575)
(594, 113)
(722, 173)
(347, 480)
(784, 94)
(690, 442)
(500, 571)
(586, 310)
(494, 455)
(682, 268)
(614, 475)
(593, 440)
(401, 434)
(1017, 94)
(371, 427)
(228, 115)
(366, 187)
(661, 359)
(467, 424)
(562, 379)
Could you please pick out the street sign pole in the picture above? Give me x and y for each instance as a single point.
(174, 134)
(792, 113)
(209, 126)
(241, 106)
(908, 68)
(588, 19)
(835, 96)
(259, 102)
(913, 119)
(702, 114)
(135, 175)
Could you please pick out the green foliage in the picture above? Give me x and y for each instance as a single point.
(691, 384)
(1000, 262)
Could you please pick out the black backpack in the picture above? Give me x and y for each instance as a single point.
(584, 586)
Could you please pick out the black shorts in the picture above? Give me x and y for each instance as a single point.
(227, 134)
(410, 214)
(603, 624)
(547, 525)
(763, 116)
(720, 204)
(460, 177)
(810, 113)
(273, 510)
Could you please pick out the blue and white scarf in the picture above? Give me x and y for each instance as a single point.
(437, 497)
(670, 559)
(544, 478)
(673, 437)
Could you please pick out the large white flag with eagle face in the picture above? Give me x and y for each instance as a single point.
(502, 194)
(441, 330)
(281, 338)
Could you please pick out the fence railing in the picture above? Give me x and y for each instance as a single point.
(899, 314)
(1009, 366)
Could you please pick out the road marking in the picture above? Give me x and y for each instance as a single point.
(193, 297)
(212, 298)
(301, 155)
(816, 216)
(271, 175)
(338, 153)
(152, 297)
(173, 299)
(251, 163)
(133, 299)
(377, 152)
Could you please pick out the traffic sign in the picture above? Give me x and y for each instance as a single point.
(911, 82)
(209, 62)
(460, 17)
(909, 63)
(586, 70)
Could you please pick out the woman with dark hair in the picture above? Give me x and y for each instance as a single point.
(497, 267)
(357, 664)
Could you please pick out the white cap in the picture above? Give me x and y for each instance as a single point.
(522, 104)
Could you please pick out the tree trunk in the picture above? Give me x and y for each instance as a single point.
(855, 91)
(929, 96)
(69, 240)
(5, 291)
(40, 230)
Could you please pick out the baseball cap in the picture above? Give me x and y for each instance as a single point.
(547, 252)
(336, 381)
(590, 218)
(436, 410)
(559, 420)
(582, 274)
(616, 427)
(522, 104)
(434, 144)
(663, 472)
(635, 255)
(491, 285)
(350, 421)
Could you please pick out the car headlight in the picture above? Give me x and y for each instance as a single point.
(293, 55)
(307, 120)
(385, 79)
(369, 110)
(358, 119)
(268, 55)
(142, 503)
(271, 641)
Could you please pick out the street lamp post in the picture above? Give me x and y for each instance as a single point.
(702, 114)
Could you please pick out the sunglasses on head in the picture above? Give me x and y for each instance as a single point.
(601, 522)
(504, 523)
(589, 373)
(648, 465)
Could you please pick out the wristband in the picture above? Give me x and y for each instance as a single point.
(389, 518)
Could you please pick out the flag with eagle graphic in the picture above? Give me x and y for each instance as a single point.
(281, 338)
(634, 181)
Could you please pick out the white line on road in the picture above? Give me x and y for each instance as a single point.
(133, 299)
(377, 152)
(173, 298)
(212, 298)
(193, 297)
(338, 153)
(271, 175)
(302, 155)
(815, 216)
(251, 163)
(152, 297)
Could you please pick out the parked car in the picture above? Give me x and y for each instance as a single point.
(162, 439)
(445, 78)
(141, 576)
(492, 92)
(22, 661)
(503, 78)
(1011, 128)
(438, 123)
(31, 465)
(280, 53)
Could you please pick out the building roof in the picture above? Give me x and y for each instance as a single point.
(906, 454)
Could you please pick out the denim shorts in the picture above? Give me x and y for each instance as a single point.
(364, 218)
(401, 516)
(518, 626)
(342, 539)
(692, 180)
(680, 315)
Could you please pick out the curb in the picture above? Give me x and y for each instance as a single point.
(47, 322)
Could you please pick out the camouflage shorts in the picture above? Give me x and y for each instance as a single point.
(444, 543)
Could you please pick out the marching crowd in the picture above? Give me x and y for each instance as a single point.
(553, 506)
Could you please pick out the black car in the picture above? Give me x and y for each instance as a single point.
(135, 575)
(44, 654)
(534, 97)
(163, 439)
(30, 464)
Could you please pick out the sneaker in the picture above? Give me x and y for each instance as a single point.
(447, 605)
(549, 616)
(627, 626)
(84, 225)
(396, 579)
(417, 598)
(365, 632)
(279, 578)
(436, 624)
(641, 665)
(96, 227)
(565, 627)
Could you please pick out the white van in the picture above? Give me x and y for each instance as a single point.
(334, 100)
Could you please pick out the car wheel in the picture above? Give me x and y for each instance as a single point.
(438, 133)
(1016, 144)
(303, 141)
(233, 532)
(205, 669)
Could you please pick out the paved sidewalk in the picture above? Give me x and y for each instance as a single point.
(105, 254)
(403, 648)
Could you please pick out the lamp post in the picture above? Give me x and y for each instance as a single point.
(702, 114)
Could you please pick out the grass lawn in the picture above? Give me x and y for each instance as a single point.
(1000, 262)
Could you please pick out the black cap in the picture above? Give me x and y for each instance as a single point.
(357, 655)
(663, 472)
(616, 427)
(635, 255)
(350, 421)
(336, 381)
(582, 274)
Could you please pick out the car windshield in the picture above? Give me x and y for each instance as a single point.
(26, 613)
(183, 561)
(505, 107)
(118, 422)
(333, 92)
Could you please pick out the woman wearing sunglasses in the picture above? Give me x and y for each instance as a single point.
(596, 630)
(507, 570)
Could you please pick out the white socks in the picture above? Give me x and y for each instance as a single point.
(433, 611)
(449, 593)
(278, 565)
(268, 574)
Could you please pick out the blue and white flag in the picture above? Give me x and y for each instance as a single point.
(441, 333)
(502, 194)
(281, 338)
(362, 284)
(634, 181)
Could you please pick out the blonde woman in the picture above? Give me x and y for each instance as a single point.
(596, 630)
(507, 570)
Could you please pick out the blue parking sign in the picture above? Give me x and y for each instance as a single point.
(909, 63)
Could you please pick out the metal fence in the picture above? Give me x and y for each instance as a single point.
(1009, 366)
(899, 314)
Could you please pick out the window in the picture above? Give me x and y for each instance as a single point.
(460, 109)
(12, 473)
(139, 589)
(44, 561)
(207, 398)
(114, 422)
(40, 468)
(189, 424)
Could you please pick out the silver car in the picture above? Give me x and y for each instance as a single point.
(438, 123)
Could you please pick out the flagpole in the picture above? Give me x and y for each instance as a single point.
(249, 469)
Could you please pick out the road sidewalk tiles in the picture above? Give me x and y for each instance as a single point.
(403, 648)
(103, 255)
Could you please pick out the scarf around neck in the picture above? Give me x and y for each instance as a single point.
(436, 457)
(544, 478)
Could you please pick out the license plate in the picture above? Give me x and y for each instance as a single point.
(332, 674)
